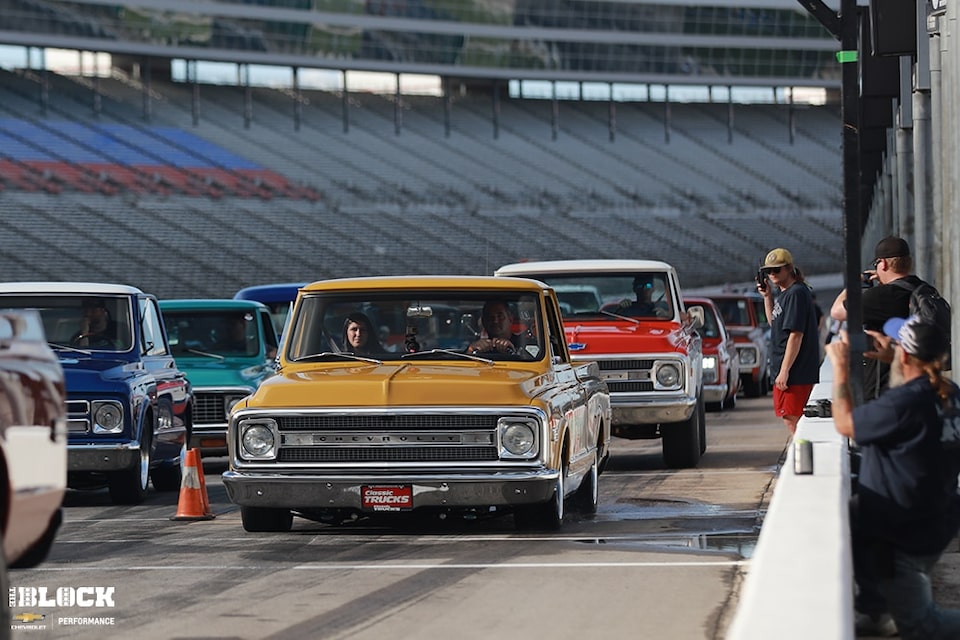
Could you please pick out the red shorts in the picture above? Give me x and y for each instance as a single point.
(792, 401)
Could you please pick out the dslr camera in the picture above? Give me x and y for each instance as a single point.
(866, 280)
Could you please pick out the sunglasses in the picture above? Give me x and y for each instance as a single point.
(643, 285)
(769, 270)
(877, 262)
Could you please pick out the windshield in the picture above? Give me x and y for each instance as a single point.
(734, 311)
(640, 294)
(218, 332)
(81, 322)
(396, 325)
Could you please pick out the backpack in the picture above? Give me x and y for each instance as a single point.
(927, 303)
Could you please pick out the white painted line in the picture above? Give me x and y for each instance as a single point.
(406, 567)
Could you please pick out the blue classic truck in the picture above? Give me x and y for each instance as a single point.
(227, 348)
(129, 407)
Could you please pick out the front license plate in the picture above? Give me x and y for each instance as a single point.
(389, 498)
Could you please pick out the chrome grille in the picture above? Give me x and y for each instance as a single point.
(78, 416)
(389, 422)
(209, 408)
(629, 387)
(617, 365)
(387, 438)
(386, 454)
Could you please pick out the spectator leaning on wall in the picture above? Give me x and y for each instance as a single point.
(906, 509)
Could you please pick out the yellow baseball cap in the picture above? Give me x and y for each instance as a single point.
(777, 258)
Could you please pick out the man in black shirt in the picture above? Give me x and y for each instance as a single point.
(892, 261)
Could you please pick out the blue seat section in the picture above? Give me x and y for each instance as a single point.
(121, 144)
(215, 156)
(60, 148)
(12, 148)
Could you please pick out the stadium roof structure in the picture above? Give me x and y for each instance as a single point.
(674, 42)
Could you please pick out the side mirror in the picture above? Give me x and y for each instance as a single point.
(696, 317)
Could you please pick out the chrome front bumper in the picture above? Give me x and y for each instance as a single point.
(631, 411)
(715, 392)
(103, 457)
(299, 490)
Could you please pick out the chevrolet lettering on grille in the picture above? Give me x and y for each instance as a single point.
(419, 439)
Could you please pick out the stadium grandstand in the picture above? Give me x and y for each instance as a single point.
(694, 132)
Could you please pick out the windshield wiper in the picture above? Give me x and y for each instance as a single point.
(66, 347)
(449, 352)
(206, 354)
(617, 315)
(330, 354)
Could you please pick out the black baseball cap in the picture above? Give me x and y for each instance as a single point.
(892, 247)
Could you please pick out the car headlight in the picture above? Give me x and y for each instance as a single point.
(107, 417)
(710, 369)
(259, 439)
(667, 376)
(748, 356)
(518, 438)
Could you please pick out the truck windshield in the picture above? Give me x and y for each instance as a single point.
(388, 326)
(85, 322)
(639, 294)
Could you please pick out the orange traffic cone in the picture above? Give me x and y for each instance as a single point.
(194, 503)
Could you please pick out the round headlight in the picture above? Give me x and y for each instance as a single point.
(518, 439)
(108, 418)
(668, 375)
(748, 357)
(258, 440)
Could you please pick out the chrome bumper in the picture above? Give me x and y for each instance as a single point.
(629, 411)
(298, 490)
(715, 392)
(103, 457)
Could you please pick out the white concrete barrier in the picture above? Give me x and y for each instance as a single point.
(800, 579)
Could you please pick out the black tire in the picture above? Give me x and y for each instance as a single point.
(731, 400)
(547, 516)
(261, 519)
(703, 426)
(754, 388)
(41, 548)
(169, 477)
(129, 486)
(681, 441)
(587, 497)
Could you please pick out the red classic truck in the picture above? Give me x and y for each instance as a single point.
(629, 317)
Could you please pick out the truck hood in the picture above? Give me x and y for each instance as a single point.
(99, 374)
(226, 373)
(399, 385)
(623, 337)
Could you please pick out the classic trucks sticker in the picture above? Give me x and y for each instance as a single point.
(387, 498)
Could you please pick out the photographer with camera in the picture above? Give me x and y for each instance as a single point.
(794, 340)
(892, 262)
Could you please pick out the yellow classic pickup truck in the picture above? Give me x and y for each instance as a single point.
(446, 395)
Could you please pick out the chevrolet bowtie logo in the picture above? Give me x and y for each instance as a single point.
(27, 618)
